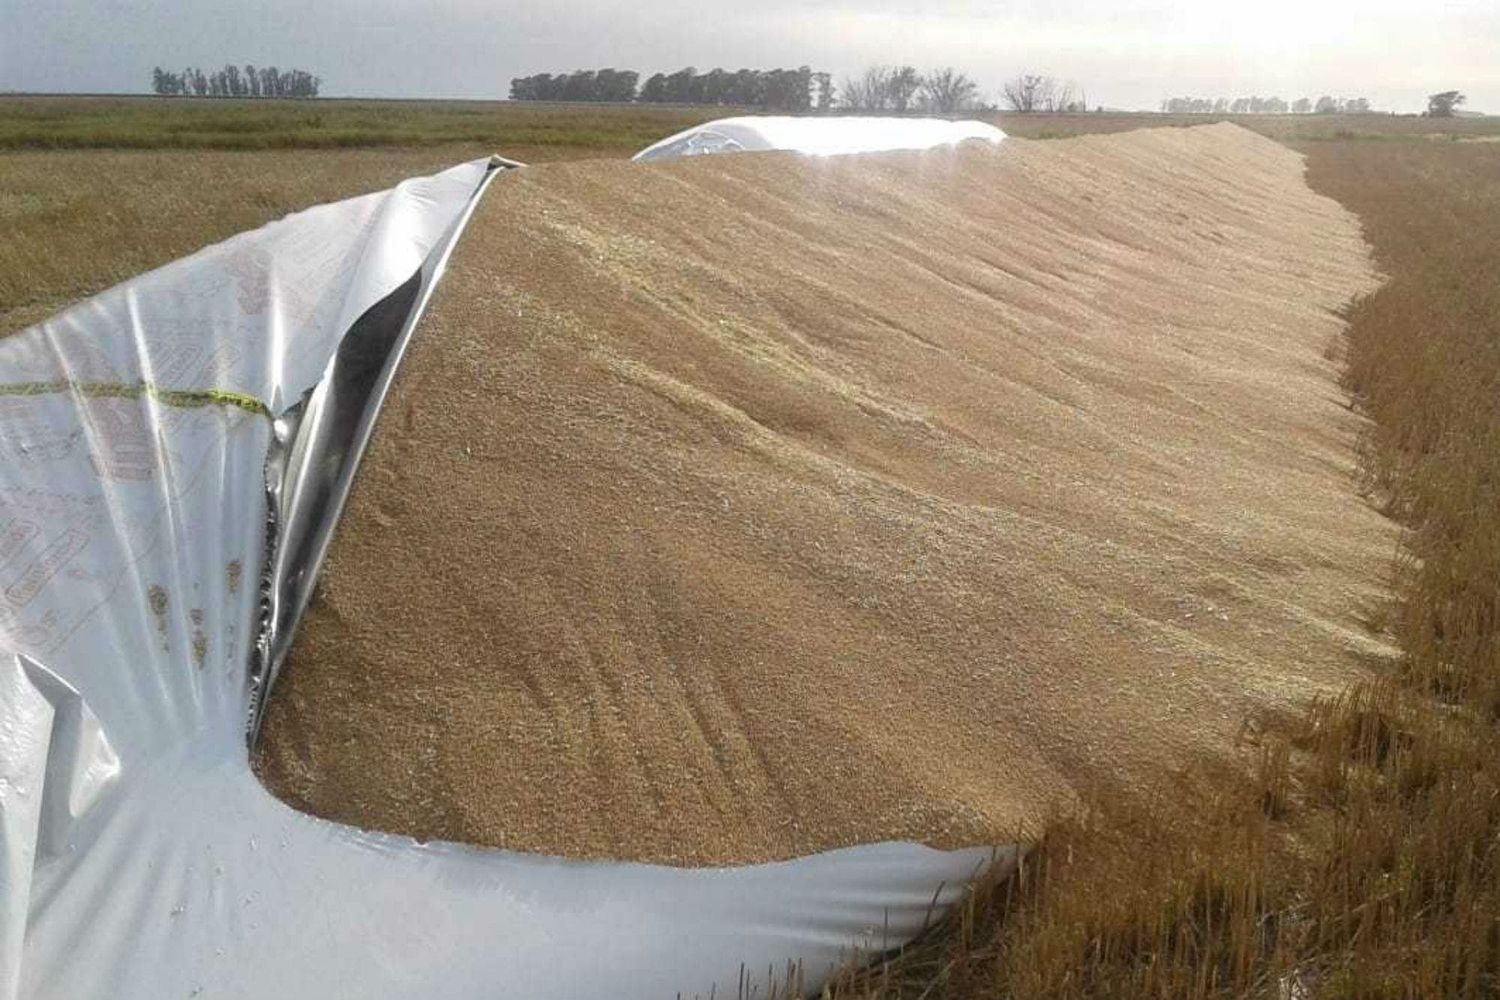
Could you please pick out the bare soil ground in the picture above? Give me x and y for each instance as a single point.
(740, 508)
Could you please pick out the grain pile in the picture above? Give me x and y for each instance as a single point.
(747, 506)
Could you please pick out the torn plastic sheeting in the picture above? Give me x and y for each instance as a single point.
(133, 510)
(818, 136)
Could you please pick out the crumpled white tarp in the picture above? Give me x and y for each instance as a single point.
(818, 135)
(139, 856)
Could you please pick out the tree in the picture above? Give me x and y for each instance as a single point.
(169, 84)
(1026, 93)
(680, 86)
(1445, 104)
(653, 91)
(1059, 96)
(868, 92)
(783, 89)
(1301, 106)
(825, 90)
(617, 85)
(947, 91)
(1325, 106)
(904, 84)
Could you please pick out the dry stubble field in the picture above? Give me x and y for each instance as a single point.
(1353, 854)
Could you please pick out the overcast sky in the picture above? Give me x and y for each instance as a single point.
(1123, 53)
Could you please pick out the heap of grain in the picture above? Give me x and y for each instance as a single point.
(749, 506)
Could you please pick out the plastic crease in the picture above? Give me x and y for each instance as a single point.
(316, 459)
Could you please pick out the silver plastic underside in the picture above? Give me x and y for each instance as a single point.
(318, 446)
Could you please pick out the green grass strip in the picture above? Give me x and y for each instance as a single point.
(182, 398)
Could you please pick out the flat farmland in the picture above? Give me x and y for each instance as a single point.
(94, 190)
(1353, 851)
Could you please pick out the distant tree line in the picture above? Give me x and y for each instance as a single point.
(800, 89)
(889, 89)
(607, 85)
(902, 88)
(1265, 106)
(793, 90)
(234, 81)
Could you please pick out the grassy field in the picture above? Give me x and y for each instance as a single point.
(188, 123)
(1354, 852)
(54, 123)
